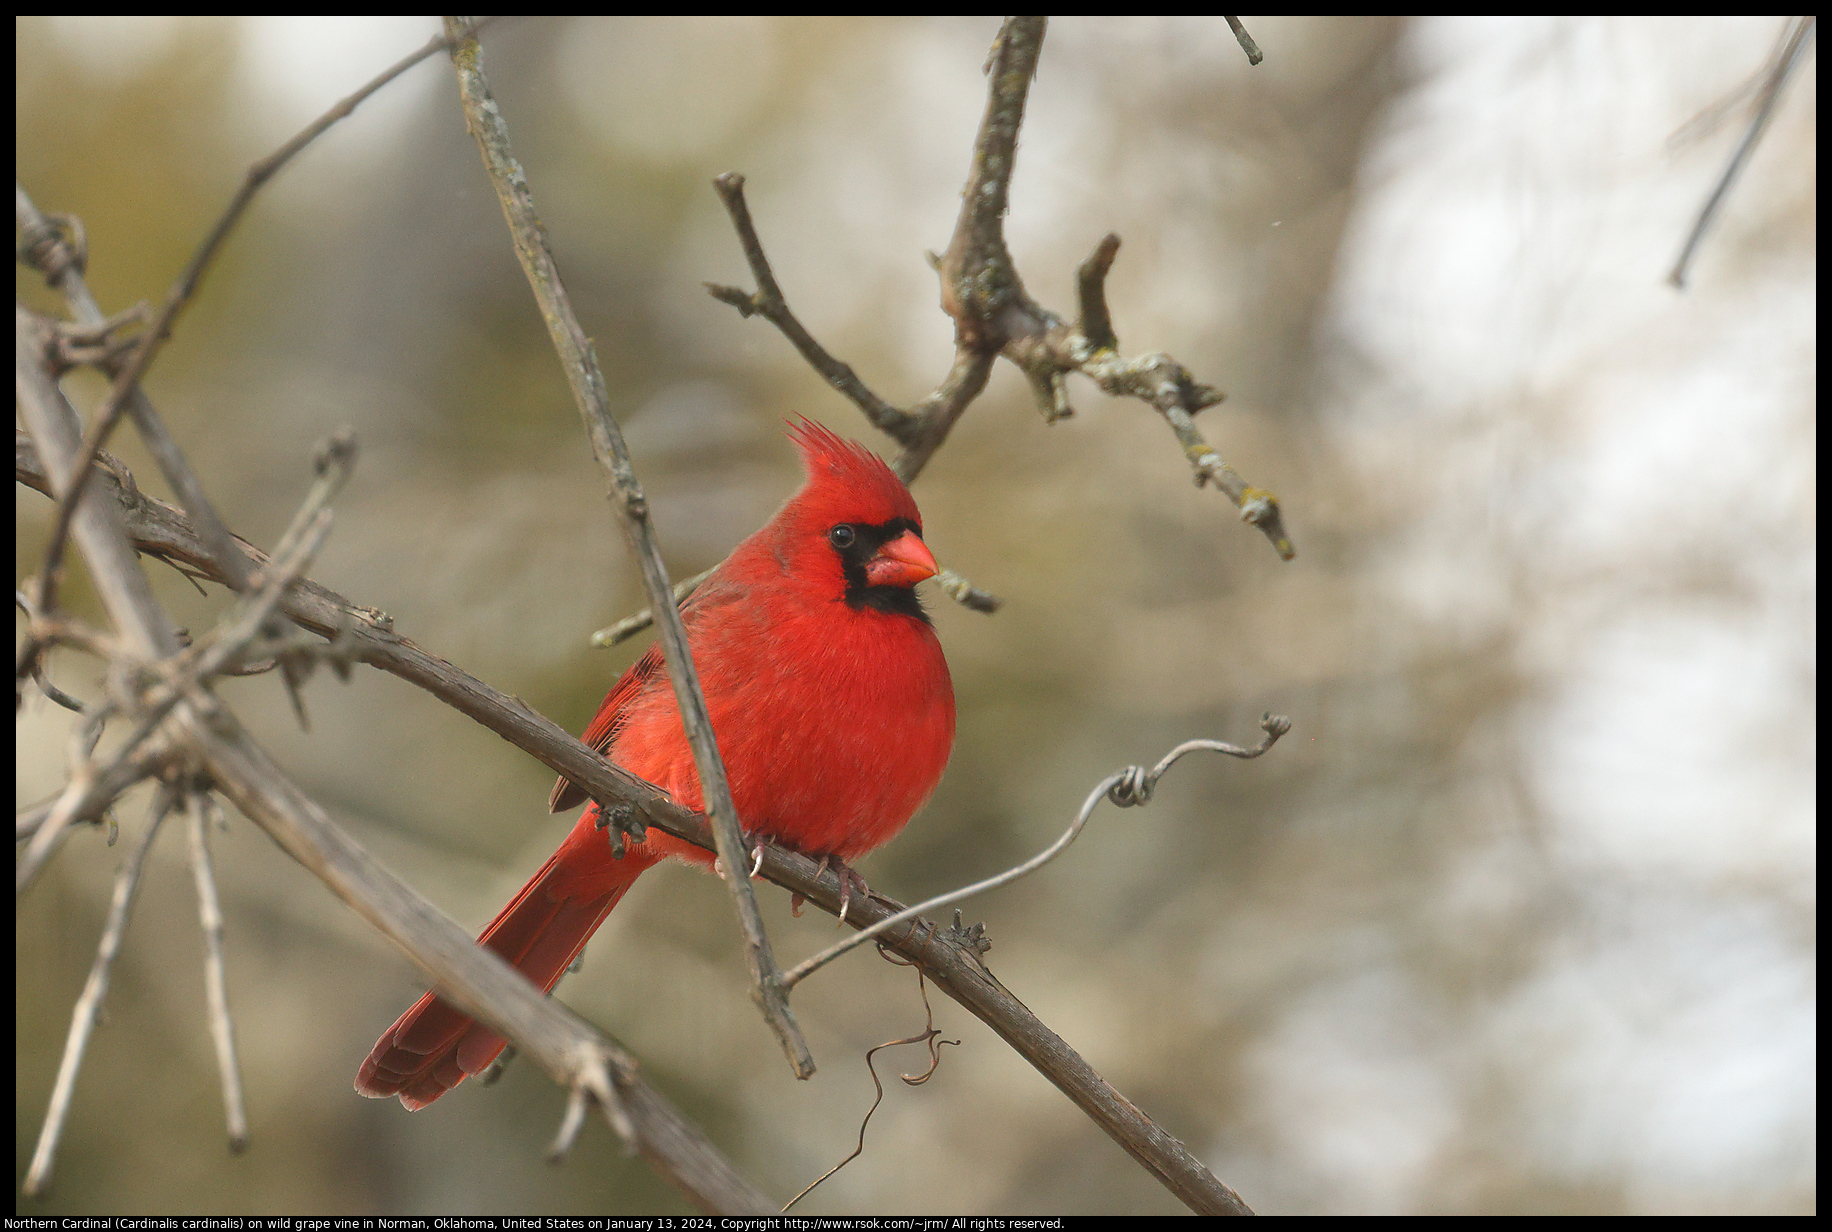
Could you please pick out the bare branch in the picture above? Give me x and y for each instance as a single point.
(485, 120)
(31, 660)
(91, 800)
(921, 428)
(89, 1004)
(1254, 54)
(980, 286)
(570, 1125)
(1096, 322)
(471, 977)
(965, 381)
(769, 303)
(159, 529)
(216, 987)
(178, 676)
(952, 958)
(966, 593)
(43, 245)
(62, 262)
(1794, 44)
(994, 315)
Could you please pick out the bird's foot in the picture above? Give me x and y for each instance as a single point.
(752, 843)
(623, 822)
(851, 884)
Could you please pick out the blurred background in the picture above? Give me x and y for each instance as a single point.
(1519, 918)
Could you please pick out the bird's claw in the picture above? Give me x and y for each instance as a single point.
(754, 844)
(850, 883)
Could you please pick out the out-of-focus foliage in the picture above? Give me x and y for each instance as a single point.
(1519, 918)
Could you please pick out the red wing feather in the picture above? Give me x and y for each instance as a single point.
(609, 720)
(714, 592)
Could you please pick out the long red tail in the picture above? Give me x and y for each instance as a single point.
(433, 1046)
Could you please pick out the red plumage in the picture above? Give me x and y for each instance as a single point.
(833, 710)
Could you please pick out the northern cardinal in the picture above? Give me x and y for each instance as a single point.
(833, 711)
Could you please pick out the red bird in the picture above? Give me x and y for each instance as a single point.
(831, 703)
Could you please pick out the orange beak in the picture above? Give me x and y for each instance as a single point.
(904, 561)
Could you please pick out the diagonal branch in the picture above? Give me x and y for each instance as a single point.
(1254, 54)
(1794, 45)
(485, 120)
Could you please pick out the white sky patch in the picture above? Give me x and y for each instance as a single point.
(1696, 1096)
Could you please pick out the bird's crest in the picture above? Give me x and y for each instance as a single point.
(843, 468)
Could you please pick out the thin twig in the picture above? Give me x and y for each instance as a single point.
(89, 802)
(979, 281)
(45, 247)
(89, 1004)
(769, 303)
(919, 429)
(1128, 787)
(1254, 54)
(1793, 49)
(160, 530)
(87, 794)
(216, 987)
(485, 120)
(31, 659)
(966, 594)
(952, 958)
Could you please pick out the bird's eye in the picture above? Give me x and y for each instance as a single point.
(842, 536)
